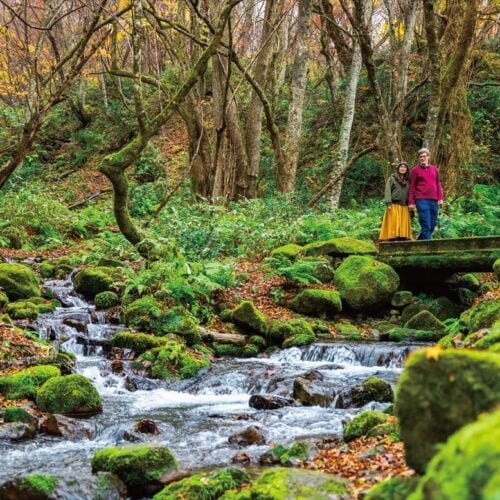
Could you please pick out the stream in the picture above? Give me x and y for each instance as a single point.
(196, 416)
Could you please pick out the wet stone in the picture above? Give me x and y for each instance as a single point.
(70, 428)
(269, 402)
(241, 458)
(16, 431)
(146, 426)
(251, 435)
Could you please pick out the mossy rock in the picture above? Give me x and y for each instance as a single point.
(401, 298)
(443, 308)
(316, 302)
(340, 247)
(178, 320)
(469, 281)
(309, 270)
(247, 315)
(105, 300)
(438, 392)
(291, 251)
(257, 341)
(372, 389)
(4, 300)
(365, 283)
(411, 310)
(144, 314)
(205, 486)
(482, 315)
(17, 414)
(93, 280)
(138, 342)
(33, 487)
(467, 467)
(361, 424)
(398, 334)
(396, 488)
(174, 359)
(291, 333)
(496, 268)
(31, 308)
(24, 384)
(250, 351)
(425, 320)
(137, 464)
(346, 330)
(387, 428)
(18, 282)
(222, 349)
(69, 395)
(280, 483)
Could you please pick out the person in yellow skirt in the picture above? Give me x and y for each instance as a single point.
(396, 224)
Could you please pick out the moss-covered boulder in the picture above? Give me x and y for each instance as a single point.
(316, 302)
(372, 389)
(248, 316)
(291, 251)
(468, 466)
(364, 282)
(178, 320)
(295, 332)
(340, 247)
(222, 349)
(137, 464)
(281, 483)
(105, 300)
(70, 395)
(401, 298)
(470, 281)
(24, 384)
(438, 392)
(34, 486)
(425, 320)
(396, 488)
(205, 486)
(144, 314)
(482, 315)
(174, 359)
(347, 331)
(138, 342)
(412, 309)
(18, 282)
(443, 308)
(398, 334)
(93, 280)
(31, 308)
(17, 414)
(361, 424)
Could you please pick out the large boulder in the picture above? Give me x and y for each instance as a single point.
(291, 333)
(290, 251)
(248, 316)
(206, 485)
(340, 247)
(467, 466)
(482, 315)
(137, 464)
(93, 280)
(441, 391)
(72, 395)
(24, 384)
(425, 320)
(18, 281)
(281, 483)
(364, 282)
(316, 302)
(310, 391)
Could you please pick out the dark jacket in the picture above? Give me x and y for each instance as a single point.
(395, 192)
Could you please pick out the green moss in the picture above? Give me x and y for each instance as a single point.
(31, 308)
(443, 308)
(222, 349)
(47, 268)
(316, 302)
(135, 465)
(258, 341)
(281, 483)
(70, 394)
(174, 359)
(339, 247)
(138, 342)
(105, 300)
(347, 330)
(93, 280)
(361, 424)
(205, 486)
(364, 282)
(439, 392)
(425, 320)
(18, 281)
(178, 320)
(247, 315)
(24, 384)
(4, 300)
(250, 351)
(469, 281)
(16, 414)
(396, 488)
(144, 314)
(293, 332)
(290, 251)
(372, 389)
(39, 484)
(412, 309)
(496, 268)
(387, 428)
(467, 467)
(401, 298)
(482, 315)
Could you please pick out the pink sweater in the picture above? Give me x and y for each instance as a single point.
(424, 184)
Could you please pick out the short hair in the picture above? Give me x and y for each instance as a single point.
(424, 150)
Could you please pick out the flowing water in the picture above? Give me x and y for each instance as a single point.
(195, 416)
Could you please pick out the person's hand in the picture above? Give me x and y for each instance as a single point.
(440, 203)
(411, 207)
(389, 206)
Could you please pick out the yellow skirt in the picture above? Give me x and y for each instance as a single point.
(396, 223)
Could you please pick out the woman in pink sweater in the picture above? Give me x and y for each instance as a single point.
(425, 193)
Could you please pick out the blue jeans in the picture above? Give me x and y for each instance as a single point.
(427, 216)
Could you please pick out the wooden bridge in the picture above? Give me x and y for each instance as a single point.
(453, 254)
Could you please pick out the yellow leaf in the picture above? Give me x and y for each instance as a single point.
(434, 352)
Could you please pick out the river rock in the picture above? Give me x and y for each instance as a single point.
(70, 428)
(401, 298)
(425, 320)
(18, 281)
(16, 431)
(251, 435)
(269, 402)
(146, 426)
(316, 302)
(78, 324)
(310, 392)
(248, 316)
(93, 280)
(372, 389)
(241, 458)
